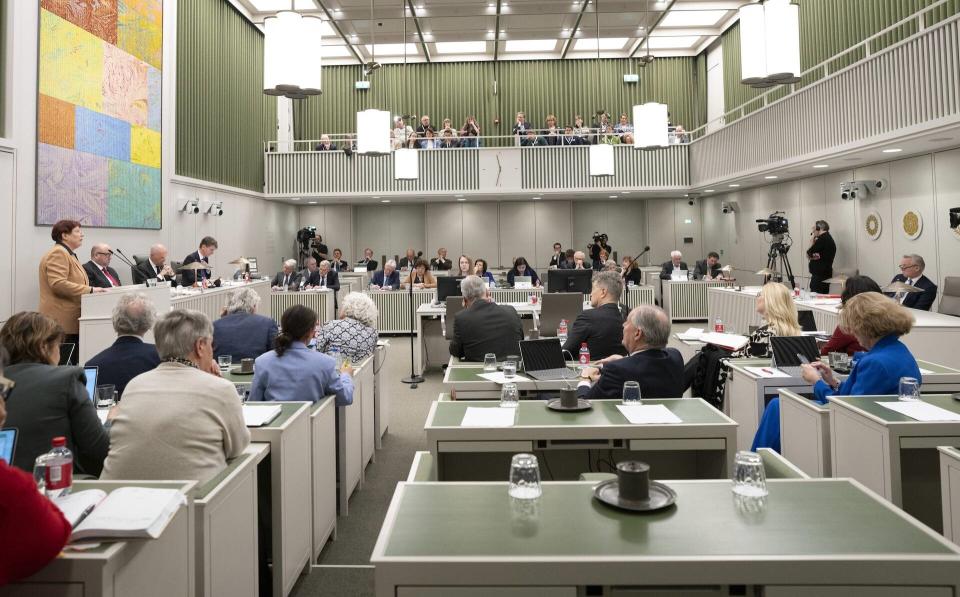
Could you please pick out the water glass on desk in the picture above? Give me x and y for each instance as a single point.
(749, 478)
(224, 361)
(509, 369)
(509, 396)
(909, 389)
(631, 392)
(489, 362)
(106, 396)
(524, 477)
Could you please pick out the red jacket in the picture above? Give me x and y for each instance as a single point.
(841, 342)
(32, 529)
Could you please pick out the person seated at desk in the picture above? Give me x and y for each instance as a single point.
(407, 262)
(311, 271)
(673, 267)
(241, 332)
(559, 258)
(325, 278)
(522, 268)
(189, 277)
(709, 268)
(129, 356)
(480, 270)
(775, 305)
(420, 277)
(658, 369)
(483, 326)
(386, 279)
(602, 258)
(355, 333)
(631, 272)
(465, 267)
(877, 323)
(181, 420)
(841, 341)
(288, 278)
(338, 263)
(911, 273)
(98, 269)
(48, 401)
(293, 371)
(368, 261)
(575, 260)
(32, 529)
(155, 266)
(602, 326)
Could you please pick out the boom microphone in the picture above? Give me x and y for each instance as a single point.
(122, 257)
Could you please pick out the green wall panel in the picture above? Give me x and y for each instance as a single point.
(222, 115)
(490, 90)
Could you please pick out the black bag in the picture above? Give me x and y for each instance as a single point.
(705, 375)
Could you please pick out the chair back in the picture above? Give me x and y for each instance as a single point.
(454, 306)
(950, 298)
(556, 306)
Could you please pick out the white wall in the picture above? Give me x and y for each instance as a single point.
(715, 98)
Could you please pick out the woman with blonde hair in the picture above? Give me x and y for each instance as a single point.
(877, 322)
(775, 305)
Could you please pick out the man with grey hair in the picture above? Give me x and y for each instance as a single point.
(673, 267)
(98, 269)
(658, 369)
(325, 277)
(483, 326)
(129, 355)
(177, 421)
(911, 273)
(310, 275)
(288, 279)
(386, 279)
(242, 333)
(155, 266)
(600, 328)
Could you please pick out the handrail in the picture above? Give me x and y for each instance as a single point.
(701, 131)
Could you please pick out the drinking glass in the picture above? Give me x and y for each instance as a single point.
(224, 360)
(509, 369)
(489, 362)
(509, 395)
(909, 389)
(524, 477)
(749, 478)
(106, 395)
(631, 392)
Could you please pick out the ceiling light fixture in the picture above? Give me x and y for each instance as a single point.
(771, 177)
(892, 150)
(709, 191)
(384, 201)
(770, 43)
(292, 46)
(733, 186)
(820, 166)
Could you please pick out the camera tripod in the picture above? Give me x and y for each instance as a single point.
(778, 252)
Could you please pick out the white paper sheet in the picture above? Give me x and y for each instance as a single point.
(921, 411)
(257, 416)
(691, 334)
(643, 414)
(765, 372)
(731, 341)
(102, 415)
(478, 416)
(925, 371)
(497, 377)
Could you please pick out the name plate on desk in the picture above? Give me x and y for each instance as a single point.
(360, 270)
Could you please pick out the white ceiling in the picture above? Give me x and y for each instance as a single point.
(472, 30)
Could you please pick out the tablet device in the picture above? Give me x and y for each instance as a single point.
(8, 441)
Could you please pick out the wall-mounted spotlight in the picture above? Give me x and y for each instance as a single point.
(214, 208)
(859, 189)
(955, 217)
(190, 206)
(729, 207)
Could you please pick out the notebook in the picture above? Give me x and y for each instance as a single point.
(258, 416)
(137, 512)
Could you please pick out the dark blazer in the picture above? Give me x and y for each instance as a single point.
(293, 283)
(190, 276)
(243, 335)
(513, 273)
(405, 262)
(332, 279)
(441, 264)
(558, 261)
(127, 358)
(371, 264)
(485, 327)
(667, 268)
(331, 147)
(635, 276)
(392, 281)
(96, 277)
(48, 402)
(339, 266)
(601, 329)
(144, 271)
(919, 300)
(700, 270)
(659, 373)
(827, 249)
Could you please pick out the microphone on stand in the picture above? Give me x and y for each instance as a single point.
(122, 257)
(639, 255)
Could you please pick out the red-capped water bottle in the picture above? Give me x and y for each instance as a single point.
(562, 330)
(584, 354)
(53, 471)
(718, 326)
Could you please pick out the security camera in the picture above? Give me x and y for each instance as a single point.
(955, 217)
(860, 188)
(872, 186)
(729, 207)
(190, 206)
(214, 208)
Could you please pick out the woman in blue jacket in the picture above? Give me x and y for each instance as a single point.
(522, 268)
(877, 322)
(480, 269)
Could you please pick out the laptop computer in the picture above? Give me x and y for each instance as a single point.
(543, 360)
(523, 282)
(787, 351)
(91, 373)
(807, 323)
(66, 352)
(8, 441)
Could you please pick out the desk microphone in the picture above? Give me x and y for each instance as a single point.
(122, 257)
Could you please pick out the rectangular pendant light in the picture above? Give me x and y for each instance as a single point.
(650, 122)
(601, 160)
(406, 164)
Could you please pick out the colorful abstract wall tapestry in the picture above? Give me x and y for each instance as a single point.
(98, 112)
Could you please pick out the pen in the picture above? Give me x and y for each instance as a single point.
(765, 370)
(803, 359)
(85, 513)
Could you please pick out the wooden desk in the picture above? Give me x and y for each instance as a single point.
(323, 473)
(686, 300)
(568, 443)
(950, 491)
(813, 537)
(146, 568)
(394, 308)
(381, 402)
(321, 301)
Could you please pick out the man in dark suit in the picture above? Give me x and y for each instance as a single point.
(326, 277)
(208, 245)
(408, 261)
(338, 263)
(98, 269)
(674, 265)
(708, 268)
(559, 258)
(658, 369)
(821, 254)
(310, 275)
(155, 267)
(368, 261)
(243, 333)
(129, 356)
(483, 326)
(602, 326)
(325, 144)
(388, 278)
(440, 262)
(288, 278)
(911, 272)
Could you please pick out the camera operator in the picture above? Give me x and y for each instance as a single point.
(599, 243)
(319, 249)
(821, 253)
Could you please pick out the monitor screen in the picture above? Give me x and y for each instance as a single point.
(448, 286)
(569, 280)
(91, 373)
(8, 440)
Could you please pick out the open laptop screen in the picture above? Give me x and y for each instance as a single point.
(542, 354)
(8, 439)
(786, 349)
(91, 373)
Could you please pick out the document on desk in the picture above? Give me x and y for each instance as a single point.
(765, 372)
(690, 334)
(645, 414)
(498, 378)
(925, 371)
(921, 411)
(258, 416)
(730, 341)
(478, 416)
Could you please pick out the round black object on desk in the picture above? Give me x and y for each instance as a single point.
(633, 490)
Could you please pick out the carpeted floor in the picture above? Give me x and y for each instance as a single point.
(337, 573)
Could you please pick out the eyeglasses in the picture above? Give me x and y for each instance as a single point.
(6, 386)
(100, 254)
(906, 267)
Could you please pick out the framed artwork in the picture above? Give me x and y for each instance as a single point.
(912, 224)
(873, 225)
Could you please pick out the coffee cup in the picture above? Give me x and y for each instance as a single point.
(633, 480)
(246, 365)
(568, 398)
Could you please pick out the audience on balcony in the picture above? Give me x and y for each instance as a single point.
(469, 133)
(325, 144)
(424, 126)
(623, 126)
(401, 133)
(532, 139)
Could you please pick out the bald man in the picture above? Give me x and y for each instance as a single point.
(98, 269)
(156, 267)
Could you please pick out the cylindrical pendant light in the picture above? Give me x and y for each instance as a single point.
(601, 160)
(753, 45)
(650, 122)
(291, 55)
(782, 22)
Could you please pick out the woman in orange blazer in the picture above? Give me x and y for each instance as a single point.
(63, 281)
(420, 276)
